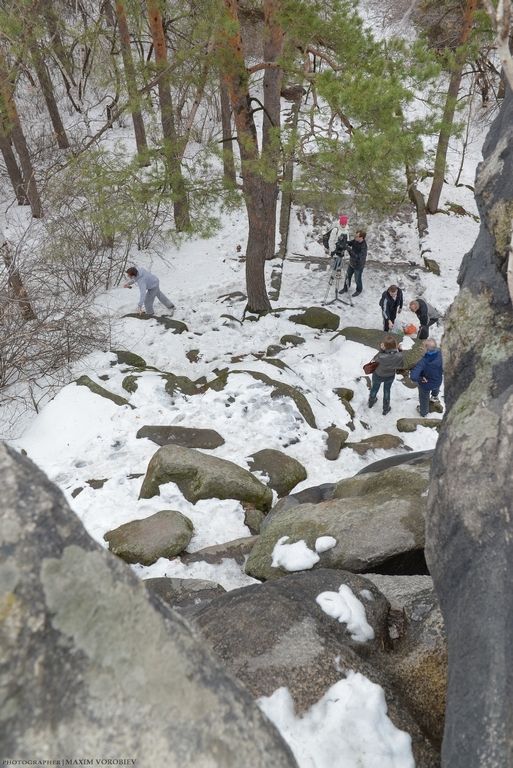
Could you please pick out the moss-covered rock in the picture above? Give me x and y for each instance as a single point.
(185, 436)
(97, 389)
(336, 439)
(317, 317)
(129, 383)
(290, 338)
(371, 337)
(283, 471)
(129, 358)
(372, 517)
(432, 265)
(165, 534)
(376, 442)
(181, 384)
(410, 425)
(200, 476)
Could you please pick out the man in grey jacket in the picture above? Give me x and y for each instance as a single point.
(148, 289)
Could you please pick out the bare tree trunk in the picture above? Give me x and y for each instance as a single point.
(15, 281)
(450, 106)
(47, 88)
(9, 114)
(12, 168)
(172, 149)
(470, 504)
(131, 84)
(226, 123)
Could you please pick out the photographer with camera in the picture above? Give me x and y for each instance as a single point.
(357, 249)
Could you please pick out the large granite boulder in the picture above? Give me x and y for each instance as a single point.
(89, 667)
(374, 518)
(165, 534)
(200, 476)
(317, 317)
(283, 471)
(189, 437)
(295, 644)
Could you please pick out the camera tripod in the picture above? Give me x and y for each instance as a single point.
(336, 278)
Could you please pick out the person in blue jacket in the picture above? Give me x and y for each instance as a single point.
(428, 373)
(149, 289)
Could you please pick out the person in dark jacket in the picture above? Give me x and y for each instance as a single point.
(389, 359)
(428, 374)
(357, 257)
(391, 303)
(426, 314)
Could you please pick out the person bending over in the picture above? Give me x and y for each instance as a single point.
(427, 316)
(148, 289)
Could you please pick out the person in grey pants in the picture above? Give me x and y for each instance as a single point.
(148, 289)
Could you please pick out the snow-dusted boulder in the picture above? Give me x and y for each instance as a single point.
(284, 472)
(165, 534)
(306, 633)
(200, 476)
(90, 667)
(373, 517)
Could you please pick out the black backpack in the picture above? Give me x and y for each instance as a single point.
(341, 244)
(326, 238)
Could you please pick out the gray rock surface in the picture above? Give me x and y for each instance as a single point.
(237, 550)
(189, 437)
(373, 518)
(200, 476)
(414, 457)
(183, 593)
(165, 534)
(89, 667)
(336, 439)
(283, 471)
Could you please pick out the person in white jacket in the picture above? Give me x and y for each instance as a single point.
(148, 289)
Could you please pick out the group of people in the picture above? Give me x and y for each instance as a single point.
(391, 303)
(428, 372)
(336, 243)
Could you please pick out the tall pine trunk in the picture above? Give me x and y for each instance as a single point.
(226, 123)
(131, 84)
(450, 107)
(271, 138)
(12, 167)
(172, 150)
(259, 172)
(46, 84)
(15, 282)
(10, 119)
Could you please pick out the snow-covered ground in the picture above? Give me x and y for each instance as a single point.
(79, 436)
